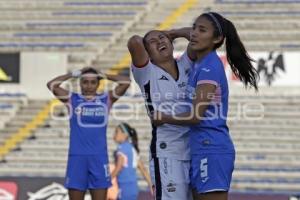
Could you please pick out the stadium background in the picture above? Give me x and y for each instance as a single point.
(40, 39)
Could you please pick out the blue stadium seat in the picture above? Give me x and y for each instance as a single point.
(92, 13)
(5, 106)
(17, 94)
(269, 169)
(43, 45)
(263, 13)
(257, 1)
(111, 3)
(290, 46)
(73, 24)
(267, 180)
(81, 35)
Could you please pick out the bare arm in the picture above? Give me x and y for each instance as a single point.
(139, 55)
(145, 174)
(118, 167)
(120, 89)
(57, 90)
(204, 94)
(183, 33)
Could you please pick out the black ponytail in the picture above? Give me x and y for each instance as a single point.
(133, 136)
(237, 56)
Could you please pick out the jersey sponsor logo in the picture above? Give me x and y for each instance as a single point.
(205, 69)
(163, 77)
(206, 142)
(98, 111)
(171, 187)
(181, 85)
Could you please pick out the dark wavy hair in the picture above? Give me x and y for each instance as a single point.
(237, 56)
(91, 70)
(132, 134)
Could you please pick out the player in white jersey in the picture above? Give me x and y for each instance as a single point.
(162, 80)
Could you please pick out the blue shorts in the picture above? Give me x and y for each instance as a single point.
(87, 172)
(211, 172)
(128, 191)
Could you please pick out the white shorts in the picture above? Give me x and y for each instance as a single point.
(170, 178)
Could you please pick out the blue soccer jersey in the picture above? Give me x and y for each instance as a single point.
(88, 124)
(128, 172)
(211, 135)
(127, 178)
(88, 160)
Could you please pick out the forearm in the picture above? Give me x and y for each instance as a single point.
(115, 173)
(183, 119)
(117, 78)
(145, 173)
(180, 33)
(148, 179)
(56, 82)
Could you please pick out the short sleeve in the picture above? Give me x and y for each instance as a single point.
(72, 98)
(208, 74)
(141, 75)
(121, 151)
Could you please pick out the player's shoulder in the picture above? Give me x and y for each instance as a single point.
(211, 62)
(75, 95)
(123, 145)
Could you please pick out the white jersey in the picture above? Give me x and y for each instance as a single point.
(162, 92)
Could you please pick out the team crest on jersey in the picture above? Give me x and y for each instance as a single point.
(181, 85)
(78, 110)
(97, 101)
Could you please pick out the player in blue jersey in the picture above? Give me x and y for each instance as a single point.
(126, 162)
(87, 167)
(212, 150)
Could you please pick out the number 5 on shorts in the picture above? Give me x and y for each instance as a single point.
(203, 168)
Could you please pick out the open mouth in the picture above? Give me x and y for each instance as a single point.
(162, 48)
(193, 42)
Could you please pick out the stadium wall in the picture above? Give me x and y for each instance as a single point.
(36, 68)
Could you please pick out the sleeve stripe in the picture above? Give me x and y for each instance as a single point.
(207, 82)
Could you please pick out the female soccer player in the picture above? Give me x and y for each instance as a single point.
(127, 160)
(163, 80)
(88, 160)
(212, 150)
